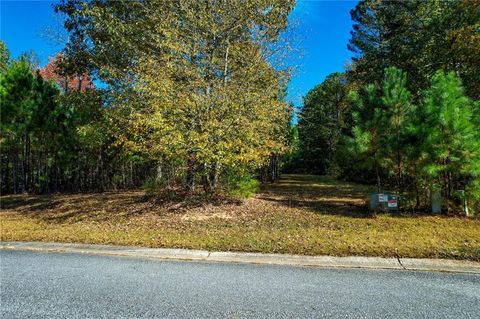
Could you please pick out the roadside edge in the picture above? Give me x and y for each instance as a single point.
(420, 264)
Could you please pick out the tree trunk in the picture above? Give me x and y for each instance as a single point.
(417, 195)
(377, 171)
(14, 172)
(190, 178)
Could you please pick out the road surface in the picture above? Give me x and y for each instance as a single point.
(55, 285)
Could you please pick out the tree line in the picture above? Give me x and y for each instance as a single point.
(405, 114)
(188, 98)
(56, 136)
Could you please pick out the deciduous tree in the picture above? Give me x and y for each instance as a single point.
(191, 79)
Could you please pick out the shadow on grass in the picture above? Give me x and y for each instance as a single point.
(325, 195)
(101, 207)
(309, 193)
(73, 207)
(319, 194)
(328, 208)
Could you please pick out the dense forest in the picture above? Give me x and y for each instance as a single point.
(185, 96)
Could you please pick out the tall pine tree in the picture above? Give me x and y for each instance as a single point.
(449, 137)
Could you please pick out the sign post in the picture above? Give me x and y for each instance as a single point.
(383, 202)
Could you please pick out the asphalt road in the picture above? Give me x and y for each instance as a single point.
(39, 285)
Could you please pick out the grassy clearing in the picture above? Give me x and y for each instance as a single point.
(301, 215)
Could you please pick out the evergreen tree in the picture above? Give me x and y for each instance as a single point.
(32, 128)
(449, 137)
(381, 118)
(17, 104)
(4, 57)
(367, 131)
(418, 37)
(322, 121)
(397, 108)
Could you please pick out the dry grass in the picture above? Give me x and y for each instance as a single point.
(301, 215)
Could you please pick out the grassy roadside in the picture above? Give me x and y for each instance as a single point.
(301, 215)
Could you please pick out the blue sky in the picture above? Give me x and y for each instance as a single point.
(321, 32)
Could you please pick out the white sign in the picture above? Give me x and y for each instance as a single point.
(382, 198)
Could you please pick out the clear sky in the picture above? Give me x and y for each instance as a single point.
(321, 31)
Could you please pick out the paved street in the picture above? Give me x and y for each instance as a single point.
(39, 285)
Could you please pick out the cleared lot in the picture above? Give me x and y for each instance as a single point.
(301, 215)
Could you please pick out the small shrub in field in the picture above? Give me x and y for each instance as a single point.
(116, 181)
(334, 170)
(243, 187)
(151, 186)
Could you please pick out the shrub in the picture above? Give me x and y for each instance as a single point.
(243, 187)
(151, 186)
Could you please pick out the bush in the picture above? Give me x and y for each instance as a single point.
(334, 170)
(243, 187)
(151, 186)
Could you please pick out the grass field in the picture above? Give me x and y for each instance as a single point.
(302, 214)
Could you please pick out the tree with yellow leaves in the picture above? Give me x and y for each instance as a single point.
(189, 82)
